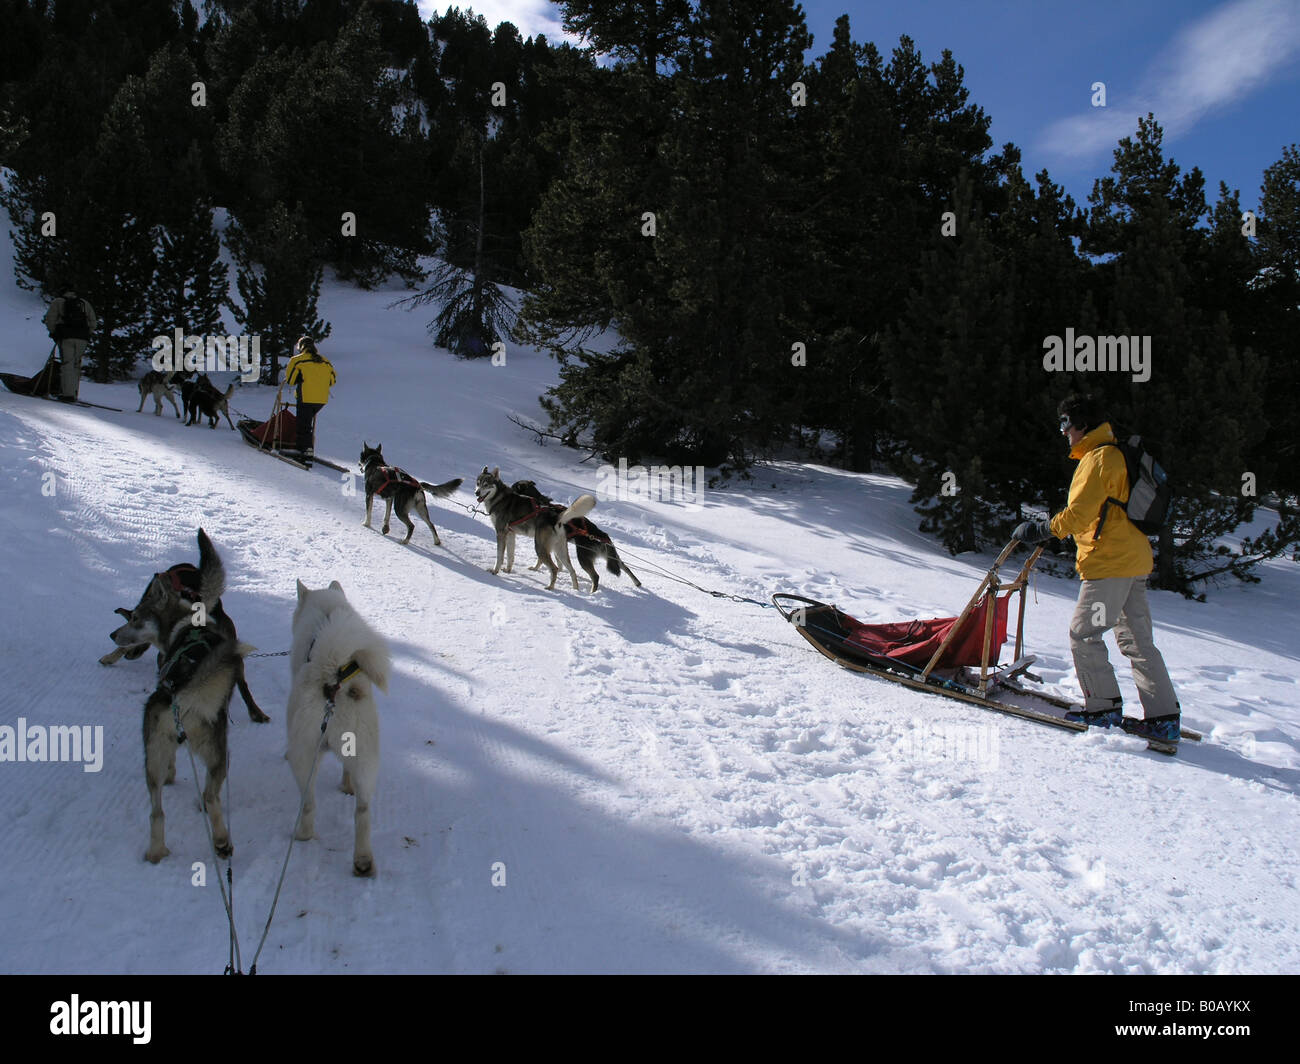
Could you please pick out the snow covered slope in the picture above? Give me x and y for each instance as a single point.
(637, 781)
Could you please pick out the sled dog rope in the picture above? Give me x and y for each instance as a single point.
(681, 580)
(311, 781)
(228, 901)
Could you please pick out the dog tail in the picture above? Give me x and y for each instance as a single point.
(442, 490)
(346, 638)
(618, 566)
(580, 507)
(212, 573)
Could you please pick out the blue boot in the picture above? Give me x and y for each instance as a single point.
(1160, 732)
(1099, 718)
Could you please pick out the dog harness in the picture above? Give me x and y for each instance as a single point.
(184, 580)
(538, 509)
(580, 526)
(181, 664)
(394, 476)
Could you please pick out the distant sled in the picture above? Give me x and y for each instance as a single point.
(952, 656)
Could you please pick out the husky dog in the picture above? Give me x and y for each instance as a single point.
(195, 679)
(514, 513)
(335, 659)
(201, 397)
(180, 581)
(158, 385)
(398, 488)
(592, 543)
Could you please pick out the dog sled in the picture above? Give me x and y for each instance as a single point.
(45, 385)
(277, 436)
(953, 656)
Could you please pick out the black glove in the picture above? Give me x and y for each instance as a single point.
(1032, 531)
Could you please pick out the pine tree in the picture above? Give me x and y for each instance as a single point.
(190, 286)
(278, 274)
(1203, 399)
(475, 313)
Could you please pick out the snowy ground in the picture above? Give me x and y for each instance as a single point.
(669, 782)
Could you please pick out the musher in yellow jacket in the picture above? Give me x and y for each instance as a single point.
(1114, 559)
(313, 376)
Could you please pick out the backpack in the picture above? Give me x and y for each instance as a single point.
(75, 325)
(1149, 492)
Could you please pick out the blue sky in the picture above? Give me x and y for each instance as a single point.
(1222, 76)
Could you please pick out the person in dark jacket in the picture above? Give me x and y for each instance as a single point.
(1114, 560)
(70, 322)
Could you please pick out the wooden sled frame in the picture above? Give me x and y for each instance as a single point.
(928, 680)
(991, 586)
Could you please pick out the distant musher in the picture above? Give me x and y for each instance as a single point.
(70, 321)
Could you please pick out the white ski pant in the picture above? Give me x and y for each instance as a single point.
(71, 351)
(1118, 602)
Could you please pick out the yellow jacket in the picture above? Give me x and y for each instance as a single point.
(1122, 549)
(312, 377)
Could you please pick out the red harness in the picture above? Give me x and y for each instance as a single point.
(393, 475)
(184, 579)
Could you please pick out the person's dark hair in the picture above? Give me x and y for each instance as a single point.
(1084, 411)
(308, 345)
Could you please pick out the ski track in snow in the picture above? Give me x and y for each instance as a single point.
(636, 781)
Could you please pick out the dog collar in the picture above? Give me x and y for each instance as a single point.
(340, 678)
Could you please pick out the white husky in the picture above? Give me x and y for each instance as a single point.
(336, 655)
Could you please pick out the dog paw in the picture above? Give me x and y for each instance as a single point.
(257, 716)
(437, 542)
(153, 856)
(224, 846)
(364, 867)
(108, 659)
(384, 530)
(304, 834)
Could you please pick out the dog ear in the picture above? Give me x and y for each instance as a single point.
(123, 612)
(335, 585)
(484, 470)
(497, 472)
(302, 590)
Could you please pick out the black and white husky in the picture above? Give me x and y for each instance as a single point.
(200, 662)
(592, 543)
(398, 489)
(336, 658)
(513, 513)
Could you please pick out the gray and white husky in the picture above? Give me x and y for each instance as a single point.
(336, 657)
(158, 385)
(592, 543)
(513, 513)
(199, 664)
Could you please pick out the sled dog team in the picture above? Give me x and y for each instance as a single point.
(336, 659)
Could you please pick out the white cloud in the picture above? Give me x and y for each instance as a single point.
(1214, 63)
(530, 17)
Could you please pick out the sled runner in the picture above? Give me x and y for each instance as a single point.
(952, 656)
(272, 435)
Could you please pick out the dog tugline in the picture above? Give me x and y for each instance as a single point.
(313, 376)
